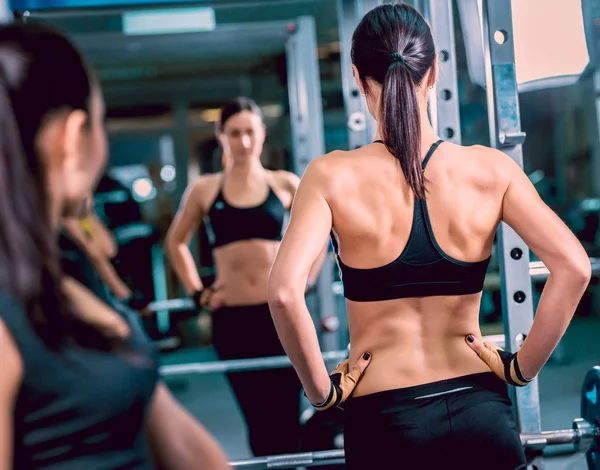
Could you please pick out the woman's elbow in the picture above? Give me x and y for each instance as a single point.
(277, 298)
(575, 271)
(280, 294)
(581, 270)
(172, 244)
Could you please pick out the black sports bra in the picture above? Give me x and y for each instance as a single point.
(421, 270)
(227, 224)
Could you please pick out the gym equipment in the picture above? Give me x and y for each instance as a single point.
(323, 432)
(590, 410)
(584, 436)
(172, 305)
(306, 459)
(241, 365)
(537, 271)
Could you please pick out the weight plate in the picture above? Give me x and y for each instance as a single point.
(590, 411)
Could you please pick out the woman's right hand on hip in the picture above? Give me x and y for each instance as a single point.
(504, 364)
(343, 382)
(209, 298)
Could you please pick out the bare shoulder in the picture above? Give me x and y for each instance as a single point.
(204, 188)
(12, 364)
(492, 157)
(329, 172)
(206, 182)
(286, 179)
(321, 168)
(488, 163)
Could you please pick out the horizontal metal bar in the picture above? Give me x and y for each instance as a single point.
(51, 9)
(307, 459)
(172, 305)
(583, 434)
(537, 270)
(263, 363)
(336, 457)
(241, 365)
(563, 436)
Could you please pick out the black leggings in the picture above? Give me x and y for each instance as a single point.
(466, 423)
(269, 399)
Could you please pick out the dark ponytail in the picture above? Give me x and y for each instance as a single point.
(402, 132)
(393, 46)
(27, 240)
(17, 241)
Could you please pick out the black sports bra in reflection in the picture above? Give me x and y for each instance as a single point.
(227, 224)
(421, 270)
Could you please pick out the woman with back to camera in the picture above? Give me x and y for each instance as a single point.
(413, 219)
(79, 387)
(244, 208)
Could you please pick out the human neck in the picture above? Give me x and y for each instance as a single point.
(428, 134)
(244, 170)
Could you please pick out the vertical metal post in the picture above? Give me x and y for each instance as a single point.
(595, 161)
(597, 91)
(591, 16)
(160, 285)
(361, 125)
(306, 114)
(560, 147)
(182, 147)
(6, 15)
(505, 134)
(304, 90)
(444, 105)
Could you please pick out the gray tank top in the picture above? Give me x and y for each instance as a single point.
(81, 408)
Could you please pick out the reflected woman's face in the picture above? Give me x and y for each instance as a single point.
(243, 136)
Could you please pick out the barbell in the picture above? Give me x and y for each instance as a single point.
(241, 365)
(584, 436)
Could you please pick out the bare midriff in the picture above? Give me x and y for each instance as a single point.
(414, 341)
(243, 269)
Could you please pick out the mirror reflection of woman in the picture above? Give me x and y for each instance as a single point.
(244, 208)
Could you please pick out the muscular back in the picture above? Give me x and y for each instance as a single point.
(372, 204)
(372, 208)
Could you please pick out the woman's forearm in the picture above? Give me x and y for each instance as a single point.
(196, 449)
(184, 266)
(104, 238)
(109, 276)
(315, 269)
(556, 308)
(177, 440)
(298, 336)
